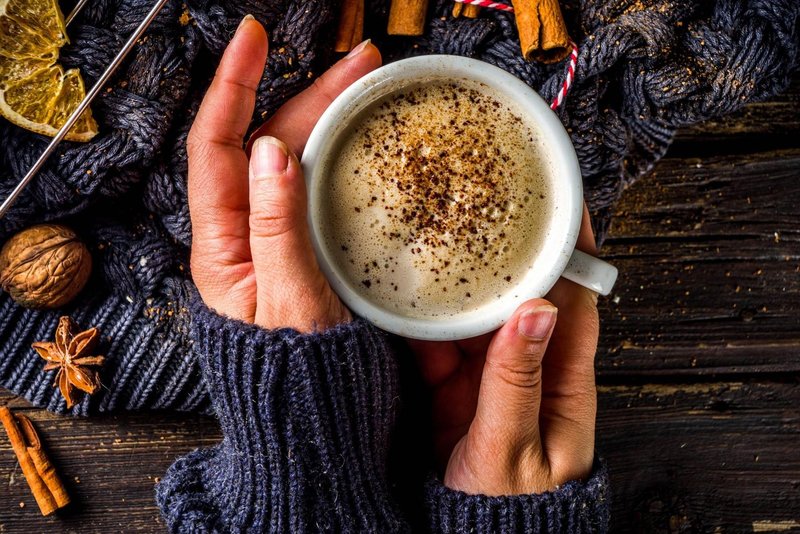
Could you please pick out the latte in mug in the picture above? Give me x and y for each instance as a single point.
(437, 199)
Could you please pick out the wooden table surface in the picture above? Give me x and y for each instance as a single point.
(698, 367)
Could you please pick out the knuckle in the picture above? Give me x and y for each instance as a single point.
(532, 353)
(530, 471)
(202, 145)
(198, 151)
(203, 215)
(194, 143)
(588, 309)
(275, 209)
(524, 373)
(271, 220)
(592, 315)
(321, 88)
(573, 465)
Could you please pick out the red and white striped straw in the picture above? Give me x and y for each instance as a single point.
(570, 75)
(561, 96)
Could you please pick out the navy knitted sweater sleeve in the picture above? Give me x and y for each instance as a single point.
(307, 421)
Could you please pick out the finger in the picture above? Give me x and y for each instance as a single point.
(510, 392)
(569, 403)
(227, 108)
(217, 189)
(578, 327)
(294, 121)
(586, 241)
(437, 360)
(292, 292)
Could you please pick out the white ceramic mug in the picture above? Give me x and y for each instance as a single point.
(558, 257)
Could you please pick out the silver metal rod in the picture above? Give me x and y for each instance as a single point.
(75, 11)
(7, 203)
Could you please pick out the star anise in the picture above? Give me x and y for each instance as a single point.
(70, 353)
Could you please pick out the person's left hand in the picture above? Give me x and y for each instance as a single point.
(251, 254)
(514, 410)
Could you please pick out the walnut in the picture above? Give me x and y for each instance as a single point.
(45, 266)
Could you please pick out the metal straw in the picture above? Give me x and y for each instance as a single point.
(7, 203)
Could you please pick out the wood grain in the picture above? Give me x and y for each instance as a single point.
(709, 258)
(697, 457)
(109, 465)
(708, 248)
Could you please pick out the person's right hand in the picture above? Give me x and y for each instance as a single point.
(514, 410)
(252, 258)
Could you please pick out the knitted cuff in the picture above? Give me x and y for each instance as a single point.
(575, 507)
(306, 420)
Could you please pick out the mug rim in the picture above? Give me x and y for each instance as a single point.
(566, 183)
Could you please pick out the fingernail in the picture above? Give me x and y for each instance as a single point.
(358, 49)
(245, 19)
(537, 323)
(270, 156)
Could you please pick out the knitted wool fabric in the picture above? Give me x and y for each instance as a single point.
(642, 72)
(294, 409)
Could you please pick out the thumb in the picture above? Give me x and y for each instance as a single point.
(507, 416)
(291, 290)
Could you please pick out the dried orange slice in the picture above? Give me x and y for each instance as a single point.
(35, 91)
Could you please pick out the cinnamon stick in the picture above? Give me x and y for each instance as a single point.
(471, 11)
(543, 35)
(44, 467)
(407, 17)
(467, 10)
(358, 29)
(351, 25)
(46, 486)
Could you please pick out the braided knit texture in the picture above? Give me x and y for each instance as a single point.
(644, 70)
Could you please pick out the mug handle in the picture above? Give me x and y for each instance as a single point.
(590, 272)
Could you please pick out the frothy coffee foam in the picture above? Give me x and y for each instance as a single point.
(437, 201)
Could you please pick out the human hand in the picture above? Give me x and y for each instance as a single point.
(514, 410)
(251, 254)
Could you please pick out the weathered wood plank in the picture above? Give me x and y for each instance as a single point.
(709, 258)
(109, 464)
(699, 456)
(705, 457)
